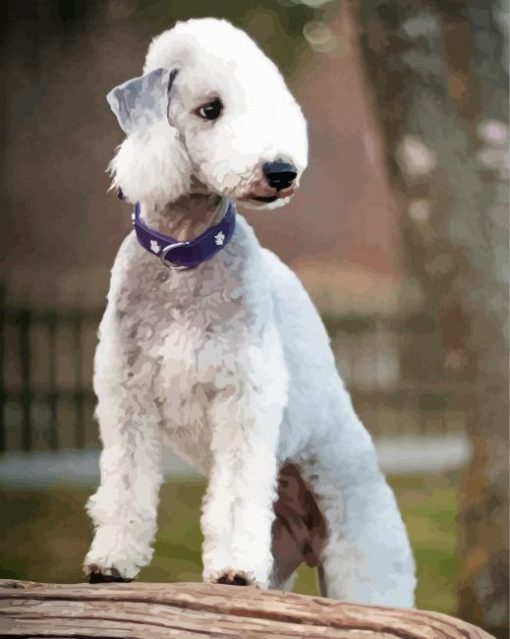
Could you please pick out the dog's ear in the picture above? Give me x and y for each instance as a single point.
(152, 164)
(140, 102)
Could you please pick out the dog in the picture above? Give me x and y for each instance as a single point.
(209, 343)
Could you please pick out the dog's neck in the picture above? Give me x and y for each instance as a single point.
(186, 218)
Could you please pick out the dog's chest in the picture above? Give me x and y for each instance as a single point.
(183, 333)
(180, 330)
(193, 351)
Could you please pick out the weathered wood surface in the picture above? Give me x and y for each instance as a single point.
(195, 610)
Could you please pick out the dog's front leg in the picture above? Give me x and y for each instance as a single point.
(124, 508)
(237, 512)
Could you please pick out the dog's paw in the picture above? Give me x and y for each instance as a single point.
(233, 578)
(99, 575)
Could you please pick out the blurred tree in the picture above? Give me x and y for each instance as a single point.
(438, 76)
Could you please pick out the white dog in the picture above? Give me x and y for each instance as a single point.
(211, 345)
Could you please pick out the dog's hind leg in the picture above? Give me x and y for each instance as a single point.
(366, 557)
(299, 529)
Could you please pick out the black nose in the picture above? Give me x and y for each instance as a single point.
(279, 174)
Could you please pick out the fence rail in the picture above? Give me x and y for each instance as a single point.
(46, 399)
(391, 365)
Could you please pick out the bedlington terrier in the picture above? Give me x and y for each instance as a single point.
(210, 344)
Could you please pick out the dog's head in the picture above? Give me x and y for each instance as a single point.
(210, 114)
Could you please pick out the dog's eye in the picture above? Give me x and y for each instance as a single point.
(211, 110)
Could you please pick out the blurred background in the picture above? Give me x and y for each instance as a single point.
(399, 233)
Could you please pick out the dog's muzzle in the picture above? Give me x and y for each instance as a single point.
(278, 175)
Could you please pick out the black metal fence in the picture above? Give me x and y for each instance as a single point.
(392, 365)
(46, 399)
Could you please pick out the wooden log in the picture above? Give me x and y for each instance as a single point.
(197, 611)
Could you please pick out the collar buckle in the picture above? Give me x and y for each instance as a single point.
(167, 263)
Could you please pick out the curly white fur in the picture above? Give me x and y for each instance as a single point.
(229, 363)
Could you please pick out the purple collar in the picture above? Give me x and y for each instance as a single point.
(185, 255)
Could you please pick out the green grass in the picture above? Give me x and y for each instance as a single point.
(44, 536)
